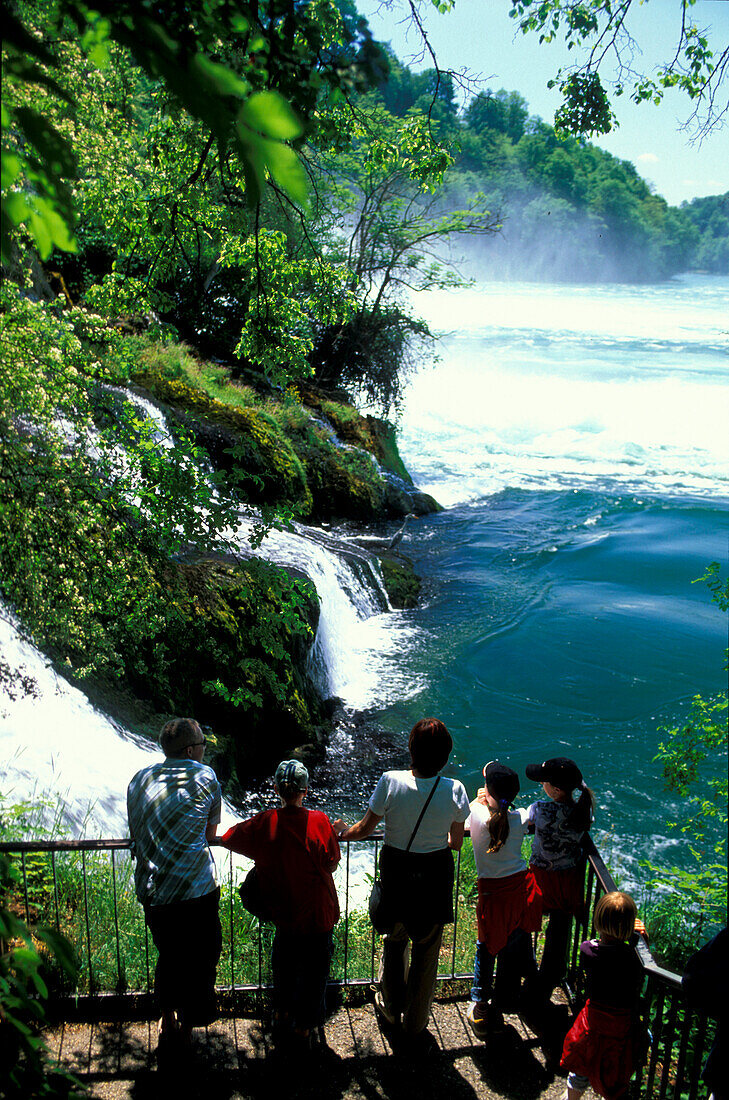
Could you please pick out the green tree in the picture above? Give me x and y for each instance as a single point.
(249, 73)
(381, 215)
(693, 759)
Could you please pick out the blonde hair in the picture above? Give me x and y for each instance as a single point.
(615, 915)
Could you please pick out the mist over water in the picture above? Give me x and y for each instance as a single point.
(552, 387)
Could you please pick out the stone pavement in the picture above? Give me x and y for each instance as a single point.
(355, 1059)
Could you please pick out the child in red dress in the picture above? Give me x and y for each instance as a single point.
(600, 1047)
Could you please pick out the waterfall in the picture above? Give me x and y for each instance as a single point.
(357, 631)
(56, 747)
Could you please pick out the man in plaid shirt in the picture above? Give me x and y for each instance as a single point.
(174, 810)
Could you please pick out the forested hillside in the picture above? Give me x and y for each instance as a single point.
(569, 210)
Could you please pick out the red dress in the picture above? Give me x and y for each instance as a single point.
(602, 1042)
(561, 890)
(294, 850)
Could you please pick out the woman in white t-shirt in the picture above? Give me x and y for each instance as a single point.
(416, 871)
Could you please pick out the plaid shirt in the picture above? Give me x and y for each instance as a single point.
(169, 806)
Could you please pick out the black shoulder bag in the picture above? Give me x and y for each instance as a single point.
(383, 920)
(253, 898)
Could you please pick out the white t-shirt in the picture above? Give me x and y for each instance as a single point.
(399, 797)
(508, 860)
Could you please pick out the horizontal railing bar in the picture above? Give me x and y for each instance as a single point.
(105, 845)
(121, 843)
(11, 846)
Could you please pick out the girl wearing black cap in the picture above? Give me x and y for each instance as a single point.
(509, 905)
(559, 824)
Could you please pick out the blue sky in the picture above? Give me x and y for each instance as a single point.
(479, 36)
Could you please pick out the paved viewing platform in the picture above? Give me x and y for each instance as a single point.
(356, 1058)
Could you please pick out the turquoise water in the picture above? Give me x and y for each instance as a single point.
(578, 438)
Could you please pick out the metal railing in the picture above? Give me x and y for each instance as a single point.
(85, 889)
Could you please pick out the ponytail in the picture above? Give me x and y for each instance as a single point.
(499, 826)
(580, 817)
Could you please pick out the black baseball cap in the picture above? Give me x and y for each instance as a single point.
(560, 771)
(502, 782)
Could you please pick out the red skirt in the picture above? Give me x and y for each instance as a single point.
(561, 890)
(505, 904)
(599, 1046)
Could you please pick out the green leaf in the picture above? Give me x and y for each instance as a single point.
(223, 81)
(287, 170)
(16, 207)
(270, 114)
(10, 169)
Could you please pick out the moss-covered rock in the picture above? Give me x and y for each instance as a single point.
(401, 581)
(241, 637)
(247, 443)
(368, 432)
(323, 457)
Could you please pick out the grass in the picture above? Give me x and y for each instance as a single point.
(177, 361)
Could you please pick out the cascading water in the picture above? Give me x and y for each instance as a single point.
(58, 749)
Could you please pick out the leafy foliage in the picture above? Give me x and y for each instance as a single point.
(248, 73)
(25, 1068)
(96, 505)
(601, 34)
(693, 757)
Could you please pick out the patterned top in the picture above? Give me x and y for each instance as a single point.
(170, 805)
(557, 844)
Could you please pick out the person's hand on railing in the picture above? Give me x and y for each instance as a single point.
(481, 796)
(640, 929)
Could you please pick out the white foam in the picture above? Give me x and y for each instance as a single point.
(487, 417)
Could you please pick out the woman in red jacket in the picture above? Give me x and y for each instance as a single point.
(295, 851)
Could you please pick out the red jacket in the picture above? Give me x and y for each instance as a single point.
(295, 851)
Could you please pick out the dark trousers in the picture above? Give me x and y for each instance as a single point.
(553, 964)
(514, 962)
(189, 940)
(300, 965)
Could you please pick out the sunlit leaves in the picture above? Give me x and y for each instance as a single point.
(212, 61)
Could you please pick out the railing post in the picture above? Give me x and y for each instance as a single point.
(346, 919)
(116, 924)
(455, 914)
(88, 922)
(232, 932)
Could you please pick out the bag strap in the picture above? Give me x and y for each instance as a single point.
(422, 813)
